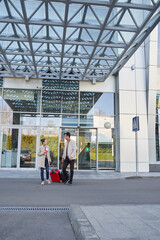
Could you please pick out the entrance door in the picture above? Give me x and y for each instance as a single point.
(74, 136)
(86, 142)
(87, 149)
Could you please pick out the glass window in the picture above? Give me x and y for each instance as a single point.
(70, 120)
(7, 118)
(157, 127)
(0, 99)
(1, 82)
(9, 148)
(103, 122)
(87, 149)
(59, 102)
(159, 45)
(106, 150)
(86, 121)
(51, 134)
(29, 119)
(28, 148)
(21, 100)
(97, 103)
(60, 84)
(50, 120)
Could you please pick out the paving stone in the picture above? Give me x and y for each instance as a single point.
(128, 222)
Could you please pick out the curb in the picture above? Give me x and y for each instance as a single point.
(82, 228)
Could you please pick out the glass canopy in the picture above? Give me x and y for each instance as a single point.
(72, 39)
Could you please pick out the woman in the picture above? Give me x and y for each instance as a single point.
(44, 160)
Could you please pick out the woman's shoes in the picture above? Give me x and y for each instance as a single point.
(49, 182)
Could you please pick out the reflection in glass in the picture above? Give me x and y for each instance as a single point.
(157, 127)
(103, 122)
(57, 84)
(21, 100)
(9, 148)
(29, 119)
(97, 103)
(70, 120)
(1, 82)
(28, 148)
(86, 121)
(73, 132)
(59, 102)
(7, 118)
(87, 149)
(0, 105)
(158, 46)
(51, 120)
(51, 134)
(106, 149)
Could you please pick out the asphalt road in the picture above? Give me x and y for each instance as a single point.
(29, 192)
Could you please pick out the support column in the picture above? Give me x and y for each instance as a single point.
(132, 102)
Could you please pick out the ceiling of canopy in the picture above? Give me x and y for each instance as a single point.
(72, 39)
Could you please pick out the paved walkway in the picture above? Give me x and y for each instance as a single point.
(35, 225)
(118, 222)
(13, 173)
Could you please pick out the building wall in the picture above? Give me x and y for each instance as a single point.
(107, 86)
(153, 86)
(21, 83)
(133, 101)
(136, 90)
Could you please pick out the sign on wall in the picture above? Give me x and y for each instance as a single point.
(135, 124)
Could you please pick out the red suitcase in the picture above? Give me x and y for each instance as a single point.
(55, 175)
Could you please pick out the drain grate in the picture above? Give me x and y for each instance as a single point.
(17, 209)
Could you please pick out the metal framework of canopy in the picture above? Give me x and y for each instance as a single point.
(72, 39)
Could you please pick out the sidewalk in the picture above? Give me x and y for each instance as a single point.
(116, 222)
(93, 174)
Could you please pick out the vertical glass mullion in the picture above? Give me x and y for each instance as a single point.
(79, 108)
(1, 134)
(2, 100)
(40, 107)
(59, 140)
(77, 148)
(38, 133)
(1, 114)
(19, 147)
(97, 149)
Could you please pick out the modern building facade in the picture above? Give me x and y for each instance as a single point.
(86, 68)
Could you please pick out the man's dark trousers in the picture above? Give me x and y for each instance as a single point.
(65, 164)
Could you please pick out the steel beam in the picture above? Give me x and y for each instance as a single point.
(29, 36)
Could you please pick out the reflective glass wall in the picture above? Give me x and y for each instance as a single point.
(158, 45)
(30, 114)
(157, 127)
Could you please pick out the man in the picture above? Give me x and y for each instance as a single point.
(44, 160)
(69, 156)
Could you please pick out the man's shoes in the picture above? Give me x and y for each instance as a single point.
(68, 182)
(65, 182)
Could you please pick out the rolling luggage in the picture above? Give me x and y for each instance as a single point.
(62, 177)
(55, 175)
